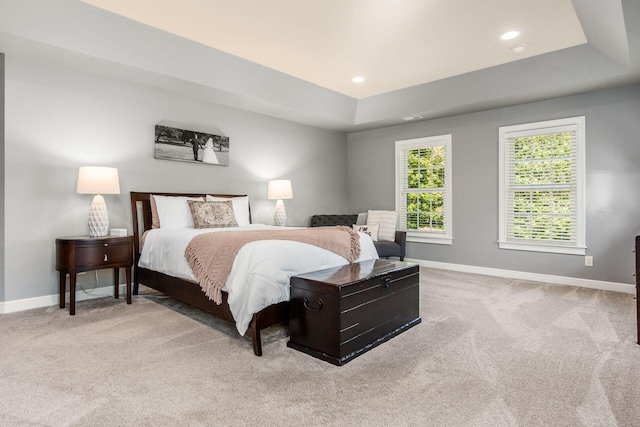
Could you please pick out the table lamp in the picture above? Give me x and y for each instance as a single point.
(277, 190)
(98, 180)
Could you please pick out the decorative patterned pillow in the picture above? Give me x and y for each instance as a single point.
(240, 207)
(212, 214)
(387, 221)
(370, 229)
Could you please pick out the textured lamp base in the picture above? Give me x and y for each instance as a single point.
(98, 218)
(280, 215)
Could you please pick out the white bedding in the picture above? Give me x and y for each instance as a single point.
(260, 273)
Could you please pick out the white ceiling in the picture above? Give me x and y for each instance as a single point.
(394, 44)
(434, 58)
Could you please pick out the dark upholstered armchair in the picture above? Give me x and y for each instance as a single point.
(385, 249)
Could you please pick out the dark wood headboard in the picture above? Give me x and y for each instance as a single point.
(141, 205)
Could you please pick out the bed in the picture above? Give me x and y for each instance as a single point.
(183, 287)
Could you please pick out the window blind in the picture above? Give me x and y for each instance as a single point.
(423, 201)
(541, 184)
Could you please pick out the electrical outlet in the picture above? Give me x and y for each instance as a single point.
(588, 261)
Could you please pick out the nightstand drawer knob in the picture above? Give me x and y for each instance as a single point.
(105, 257)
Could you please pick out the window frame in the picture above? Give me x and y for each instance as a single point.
(572, 124)
(441, 238)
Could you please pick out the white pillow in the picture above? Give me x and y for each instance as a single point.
(174, 212)
(362, 219)
(240, 207)
(387, 221)
(370, 229)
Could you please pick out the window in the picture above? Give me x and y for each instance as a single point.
(542, 186)
(423, 188)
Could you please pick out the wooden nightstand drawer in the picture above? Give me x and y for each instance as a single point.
(102, 255)
(83, 254)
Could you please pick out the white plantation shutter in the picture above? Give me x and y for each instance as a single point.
(402, 172)
(541, 186)
(421, 218)
(423, 188)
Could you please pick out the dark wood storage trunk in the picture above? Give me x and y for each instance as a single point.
(339, 313)
(637, 251)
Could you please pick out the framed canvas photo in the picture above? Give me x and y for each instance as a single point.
(191, 146)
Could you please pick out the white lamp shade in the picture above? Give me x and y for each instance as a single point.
(279, 189)
(98, 180)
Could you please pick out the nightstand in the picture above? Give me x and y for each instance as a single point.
(77, 254)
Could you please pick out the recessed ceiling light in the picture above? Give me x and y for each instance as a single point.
(408, 118)
(358, 79)
(519, 48)
(510, 35)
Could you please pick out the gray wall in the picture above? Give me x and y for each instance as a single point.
(58, 120)
(2, 177)
(613, 180)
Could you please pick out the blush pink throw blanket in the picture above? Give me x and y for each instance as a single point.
(211, 255)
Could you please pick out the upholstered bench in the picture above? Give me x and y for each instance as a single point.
(385, 249)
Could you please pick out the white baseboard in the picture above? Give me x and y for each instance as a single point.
(49, 300)
(535, 277)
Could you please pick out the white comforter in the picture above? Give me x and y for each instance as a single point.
(260, 273)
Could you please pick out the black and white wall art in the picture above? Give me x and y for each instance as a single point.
(191, 146)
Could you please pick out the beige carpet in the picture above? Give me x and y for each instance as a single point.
(490, 352)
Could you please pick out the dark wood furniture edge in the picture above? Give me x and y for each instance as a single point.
(190, 292)
(637, 251)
